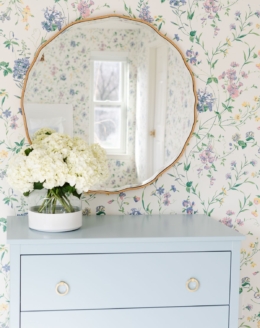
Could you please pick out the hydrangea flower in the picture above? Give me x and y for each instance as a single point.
(54, 19)
(54, 159)
(144, 13)
(205, 101)
(20, 68)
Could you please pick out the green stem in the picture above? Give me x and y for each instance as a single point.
(45, 203)
(51, 199)
(64, 201)
(69, 204)
(54, 205)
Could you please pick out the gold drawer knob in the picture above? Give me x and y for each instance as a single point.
(62, 284)
(192, 280)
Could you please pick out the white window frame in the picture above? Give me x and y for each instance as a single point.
(118, 57)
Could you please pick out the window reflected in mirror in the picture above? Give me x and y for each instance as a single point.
(109, 104)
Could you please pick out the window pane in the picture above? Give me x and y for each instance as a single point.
(107, 126)
(107, 81)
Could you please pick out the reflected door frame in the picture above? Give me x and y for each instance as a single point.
(157, 101)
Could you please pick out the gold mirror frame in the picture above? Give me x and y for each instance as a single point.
(161, 35)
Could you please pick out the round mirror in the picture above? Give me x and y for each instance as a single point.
(115, 81)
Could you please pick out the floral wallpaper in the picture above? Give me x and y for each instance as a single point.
(219, 173)
(179, 116)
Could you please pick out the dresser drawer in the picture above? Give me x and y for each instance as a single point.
(104, 281)
(198, 317)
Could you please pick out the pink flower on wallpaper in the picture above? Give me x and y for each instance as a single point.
(230, 212)
(212, 180)
(216, 30)
(239, 222)
(207, 157)
(233, 90)
(234, 64)
(211, 7)
(222, 76)
(244, 75)
(227, 221)
(83, 8)
(231, 74)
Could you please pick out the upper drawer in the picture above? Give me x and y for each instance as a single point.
(124, 280)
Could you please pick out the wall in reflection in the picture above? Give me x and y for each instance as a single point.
(64, 77)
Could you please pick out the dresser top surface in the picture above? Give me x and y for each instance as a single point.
(119, 228)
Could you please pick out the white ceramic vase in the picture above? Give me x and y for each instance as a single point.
(46, 214)
(55, 222)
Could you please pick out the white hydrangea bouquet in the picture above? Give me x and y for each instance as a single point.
(61, 164)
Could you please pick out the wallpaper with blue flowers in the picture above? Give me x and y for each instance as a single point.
(219, 172)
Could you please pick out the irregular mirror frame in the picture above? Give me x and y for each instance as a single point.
(127, 86)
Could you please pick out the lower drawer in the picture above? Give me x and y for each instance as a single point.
(185, 317)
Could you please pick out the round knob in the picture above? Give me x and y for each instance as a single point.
(62, 284)
(192, 281)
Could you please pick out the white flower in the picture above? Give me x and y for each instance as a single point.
(56, 159)
(41, 134)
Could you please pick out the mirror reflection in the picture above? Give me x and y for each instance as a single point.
(119, 83)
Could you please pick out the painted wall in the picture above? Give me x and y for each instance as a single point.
(219, 172)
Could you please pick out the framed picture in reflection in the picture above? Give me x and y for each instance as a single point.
(58, 117)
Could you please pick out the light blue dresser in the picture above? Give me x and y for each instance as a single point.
(171, 271)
